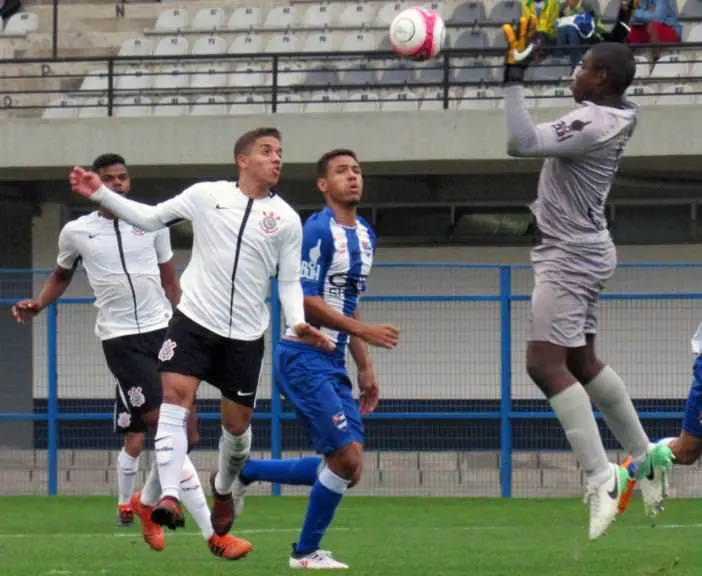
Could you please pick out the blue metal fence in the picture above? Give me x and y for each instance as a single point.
(506, 415)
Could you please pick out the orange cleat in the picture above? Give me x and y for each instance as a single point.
(630, 485)
(168, 512)
(125, 515)
(222, 515)
(229, 547)
(153, 534)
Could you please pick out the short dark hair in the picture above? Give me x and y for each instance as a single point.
(105, 160)
(323, 162)
(618, 62)
(246, 140)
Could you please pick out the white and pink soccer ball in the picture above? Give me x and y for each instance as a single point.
(417, 33)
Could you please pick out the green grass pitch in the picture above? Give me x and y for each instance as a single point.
(71, 536)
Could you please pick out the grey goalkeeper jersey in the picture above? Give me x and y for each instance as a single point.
(582, 151)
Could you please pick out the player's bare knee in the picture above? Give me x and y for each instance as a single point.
(134, 443)
(236, 419)
(347, 462)
(178, 389)
(687, 450)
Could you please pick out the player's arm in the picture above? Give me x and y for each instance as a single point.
(55, 285)
(150, 218)
(359, 349)
(290, 294)
(169, 276)
(572, 135)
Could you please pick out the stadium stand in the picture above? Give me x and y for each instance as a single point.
(326, 56)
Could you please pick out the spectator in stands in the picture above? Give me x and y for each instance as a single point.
(655, 22)
(546, 13)
(578, 28)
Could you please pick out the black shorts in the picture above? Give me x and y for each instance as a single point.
(133, 361)
(232, 366)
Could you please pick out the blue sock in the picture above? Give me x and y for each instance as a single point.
(324, 499)
(299, 471)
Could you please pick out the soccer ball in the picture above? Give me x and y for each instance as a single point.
(417, 33)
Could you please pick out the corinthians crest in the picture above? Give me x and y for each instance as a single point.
(269, 222)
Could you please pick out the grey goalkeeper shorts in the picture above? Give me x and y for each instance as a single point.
(568, 280)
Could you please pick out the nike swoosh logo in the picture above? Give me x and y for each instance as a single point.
(220, 207)
(614, 492)
(91, 236)
(651, 474)
(240, 393)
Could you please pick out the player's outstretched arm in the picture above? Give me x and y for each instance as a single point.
(150, 218)
(570, 136)
(53, 289)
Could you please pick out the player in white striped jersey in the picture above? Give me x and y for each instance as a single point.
(572, 264)
(337, 255)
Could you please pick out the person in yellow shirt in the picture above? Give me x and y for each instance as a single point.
(578, 28)
(546, 13)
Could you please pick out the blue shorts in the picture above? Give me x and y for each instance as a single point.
(692, 421)
(318, 386)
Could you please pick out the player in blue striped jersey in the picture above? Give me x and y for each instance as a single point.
(337, 254)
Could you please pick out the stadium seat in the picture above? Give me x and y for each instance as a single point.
(248, 75)
(402, 101)
(95, 81)
(288, 103)
(136, 47)
(210, 105)
(468, 13)
(362, 102)
(172, 106)
(471, 40)
(356, 15)
(387, 13)
(208, 20)
(280, 17)
(473, 71)
(63, 108)
(384, 44)
(692, 10)
(610, 9)
(678, 95)
(358, 42)
(317, 16)
(209, 77)
(361, 75)
(482, 99)
(282, 43)
(133, 80)
(133, 107)
(400, 73)
(318, 43)
(670, 66)
(171, 78)
(248, 104)
(326, 75)
(172, 46)
(247, 44)
(551, 69)
(695, 34)
(505, 11)
(643, 66)
(322, 102)
(641, 95)
(21, 24)
(244, 18)
(290, 73)
(172, 20)
(93, 108)
(431, 73)
(209, 45)
(556, 98)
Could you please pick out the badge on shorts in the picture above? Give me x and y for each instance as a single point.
(339, 420)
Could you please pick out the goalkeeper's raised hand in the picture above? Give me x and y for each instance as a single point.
(521, 48)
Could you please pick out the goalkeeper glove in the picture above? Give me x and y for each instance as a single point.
(521, 48)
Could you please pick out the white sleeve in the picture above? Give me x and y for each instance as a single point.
(290, 294)
(570, 136)
(68, 254)
(151, 218)
(162, 243)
